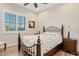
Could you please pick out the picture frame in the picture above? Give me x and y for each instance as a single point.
(31, 24)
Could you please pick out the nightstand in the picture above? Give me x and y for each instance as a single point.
(70, 45)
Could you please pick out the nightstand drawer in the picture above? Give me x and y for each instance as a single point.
(68, 40)
(70, 45)
(70, 48)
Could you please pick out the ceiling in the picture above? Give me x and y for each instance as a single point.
(41, 7)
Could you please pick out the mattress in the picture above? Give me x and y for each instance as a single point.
(48, 41)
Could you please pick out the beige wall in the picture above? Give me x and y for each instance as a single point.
(11, 38)
(67, 14)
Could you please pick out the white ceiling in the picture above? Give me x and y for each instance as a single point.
(41, 7)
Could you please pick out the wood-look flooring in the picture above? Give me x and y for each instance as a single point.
(10, 51)
(13, 51)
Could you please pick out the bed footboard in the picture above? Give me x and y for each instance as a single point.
(19, 40)
(29, 50)
(38, 47)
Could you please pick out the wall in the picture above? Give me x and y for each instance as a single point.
(67, 14)
(11, 38)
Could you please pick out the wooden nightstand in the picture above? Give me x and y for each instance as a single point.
(70, 45)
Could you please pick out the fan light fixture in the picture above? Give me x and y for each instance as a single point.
(35, 5)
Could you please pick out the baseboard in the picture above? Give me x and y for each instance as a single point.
(11, 45)
(7, 46)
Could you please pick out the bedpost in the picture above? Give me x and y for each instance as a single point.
(38, 47)
(19, 39)
(43, 28)
(62, 31)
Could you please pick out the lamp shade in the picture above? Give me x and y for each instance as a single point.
(69, 29)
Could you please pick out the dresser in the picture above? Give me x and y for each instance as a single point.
(70, 45)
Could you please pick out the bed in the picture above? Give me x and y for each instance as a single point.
(45, 44)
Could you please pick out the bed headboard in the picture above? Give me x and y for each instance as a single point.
(51, 29)
(54, 29)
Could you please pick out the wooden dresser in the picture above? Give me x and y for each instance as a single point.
(70, 45)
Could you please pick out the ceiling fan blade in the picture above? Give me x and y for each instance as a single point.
(35, 5)
(44, 3)
(26, 4)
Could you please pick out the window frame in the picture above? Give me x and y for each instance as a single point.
(12, 12)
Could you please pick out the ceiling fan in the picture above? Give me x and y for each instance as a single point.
(35, 4)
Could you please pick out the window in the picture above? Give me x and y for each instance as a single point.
(10, 22)
(21, 23)
(14, 22)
